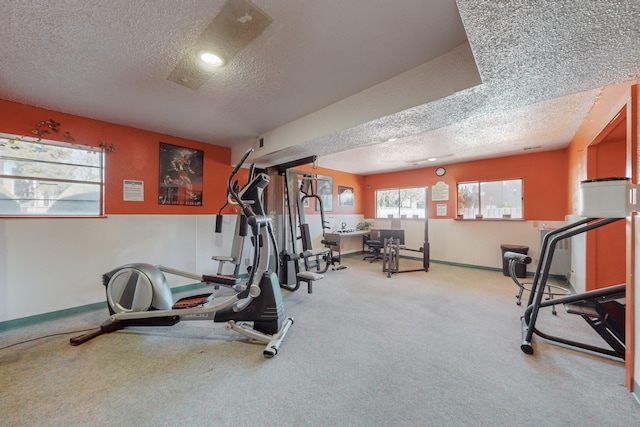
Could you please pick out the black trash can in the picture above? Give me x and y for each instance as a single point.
(521, 269)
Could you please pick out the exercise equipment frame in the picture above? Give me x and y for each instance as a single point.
(138, 294)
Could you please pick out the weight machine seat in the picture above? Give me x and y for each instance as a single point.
(221, 279)
(309, 277)
(606, 315)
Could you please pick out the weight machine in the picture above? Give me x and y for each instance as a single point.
(299, 260)
(392, 246)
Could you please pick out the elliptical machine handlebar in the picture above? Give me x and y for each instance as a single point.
(230, 186)
(249, 200)
(258, 221)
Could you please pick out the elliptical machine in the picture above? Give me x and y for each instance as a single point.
(138, 294)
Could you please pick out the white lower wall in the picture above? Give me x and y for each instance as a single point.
(334, 223)
(474, 242)
(53, 264)
(578, 258)
(470, 242)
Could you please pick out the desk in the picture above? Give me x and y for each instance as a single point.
(348, 242)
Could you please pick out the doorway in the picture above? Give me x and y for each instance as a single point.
(606, 246)
(614, 152)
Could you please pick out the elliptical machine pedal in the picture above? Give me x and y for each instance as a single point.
(193, 301)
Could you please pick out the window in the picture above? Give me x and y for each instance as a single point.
(401, 203)
(490, 199)
(49, 178)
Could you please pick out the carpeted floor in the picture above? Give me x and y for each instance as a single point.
(417, 349)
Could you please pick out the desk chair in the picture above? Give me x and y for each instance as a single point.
(375, 246)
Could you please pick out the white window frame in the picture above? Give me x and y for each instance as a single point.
(479, 204)
(57, 179)
(387, 212)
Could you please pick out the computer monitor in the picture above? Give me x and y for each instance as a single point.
(392, 234)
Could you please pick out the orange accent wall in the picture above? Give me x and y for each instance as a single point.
(544, 177)
(136, 157)
(340, 179)
(606, 247)
(601, 152)
(611, 100)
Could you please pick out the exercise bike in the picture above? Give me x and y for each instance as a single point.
(138, 294)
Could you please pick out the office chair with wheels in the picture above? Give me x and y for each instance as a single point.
(375, 248)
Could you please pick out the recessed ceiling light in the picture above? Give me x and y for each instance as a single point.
(392, 139)
(231, 30)
(428, 159)
(211, 59)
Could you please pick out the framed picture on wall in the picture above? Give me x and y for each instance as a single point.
(345, 196)
(180, 176)
(324, 189)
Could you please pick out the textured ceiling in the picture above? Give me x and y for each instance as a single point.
(463, 80)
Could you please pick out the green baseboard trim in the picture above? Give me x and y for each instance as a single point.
(47, 317)
(59, 314)
(67, 312)
(636, 391)
(558, 277)
(457, 264)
